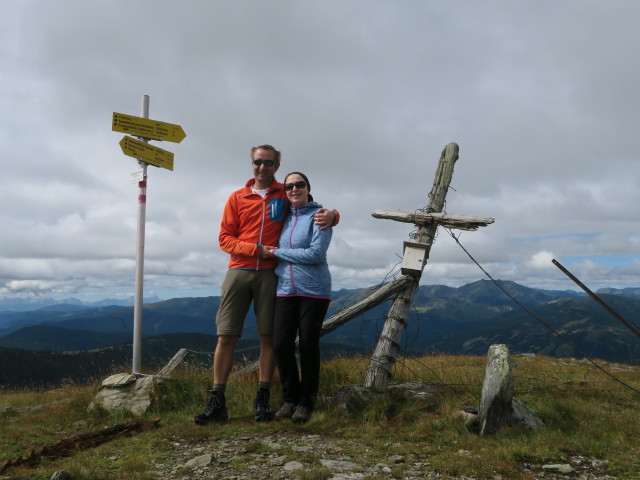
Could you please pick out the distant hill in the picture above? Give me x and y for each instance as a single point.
(579, 323)
(52, 338)
(21, 368)
(623, 292)
(169, 316)
(56, 313)
(465, 319)
(27, 304)
(438, 309)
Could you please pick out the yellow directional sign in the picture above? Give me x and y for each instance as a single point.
(146, 153)
(146, 128)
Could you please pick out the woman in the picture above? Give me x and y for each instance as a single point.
(302, 300)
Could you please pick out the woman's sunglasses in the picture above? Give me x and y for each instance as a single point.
(298, 185)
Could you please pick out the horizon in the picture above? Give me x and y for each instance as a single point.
(154, 298)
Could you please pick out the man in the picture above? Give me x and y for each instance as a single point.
(252, 218)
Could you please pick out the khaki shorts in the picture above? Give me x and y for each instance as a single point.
(239, 288)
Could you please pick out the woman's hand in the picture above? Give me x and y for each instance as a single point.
(267, 252)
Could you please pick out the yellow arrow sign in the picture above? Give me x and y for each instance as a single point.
(146, 128)
(147, 153)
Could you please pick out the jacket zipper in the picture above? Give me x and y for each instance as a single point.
(295, 224)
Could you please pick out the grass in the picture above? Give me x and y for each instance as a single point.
(585, 413)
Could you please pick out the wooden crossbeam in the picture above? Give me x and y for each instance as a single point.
(459, 222)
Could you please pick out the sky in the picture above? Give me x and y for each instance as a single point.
(542, 97)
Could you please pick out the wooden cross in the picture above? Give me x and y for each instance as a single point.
(415, 259)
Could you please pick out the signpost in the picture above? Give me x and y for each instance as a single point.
(145, 129)
(144, 152)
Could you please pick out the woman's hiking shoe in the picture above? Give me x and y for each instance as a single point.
(286, 411)
(263, 409)
(215, 411)
(301, 415)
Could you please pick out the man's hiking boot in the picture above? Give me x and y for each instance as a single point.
(215, 411)
(285, 411)
(263, 409)
(301, 415)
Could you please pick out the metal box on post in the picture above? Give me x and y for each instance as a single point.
(414, 258)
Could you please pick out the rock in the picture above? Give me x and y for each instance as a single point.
(340, 465)
(497, 391)
(498, 408)
(125, 391)
(301, 449)
(429, 393)
(523, 416)
(560, 468)
(291, 466)
(347, 476)
(61, 475)
(201, 461)
(353, 399)
(413, 473)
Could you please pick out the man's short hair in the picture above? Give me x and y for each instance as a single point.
(276, 153)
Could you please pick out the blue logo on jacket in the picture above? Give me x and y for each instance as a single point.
(276, 209)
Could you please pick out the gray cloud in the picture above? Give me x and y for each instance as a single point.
(362, 96)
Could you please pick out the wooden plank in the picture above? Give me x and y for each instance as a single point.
(459, 222)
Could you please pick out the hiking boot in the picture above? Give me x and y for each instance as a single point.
(285, 411)
(215, 411)
(301, 415)
(263, 410)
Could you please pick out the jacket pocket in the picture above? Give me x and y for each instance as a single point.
(276, 209)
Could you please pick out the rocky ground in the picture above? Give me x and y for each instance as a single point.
(288, 455)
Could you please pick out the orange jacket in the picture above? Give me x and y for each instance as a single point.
(249, 221)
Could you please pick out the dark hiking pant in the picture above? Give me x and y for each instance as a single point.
(301, 316)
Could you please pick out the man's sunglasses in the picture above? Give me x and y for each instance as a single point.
(298, 185)
(267, 163)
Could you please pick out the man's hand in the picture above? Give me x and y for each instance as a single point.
(324, 218)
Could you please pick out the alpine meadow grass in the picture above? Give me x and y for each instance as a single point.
(586, 412)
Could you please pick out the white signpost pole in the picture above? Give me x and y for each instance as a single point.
(144, 129)
(142, 205)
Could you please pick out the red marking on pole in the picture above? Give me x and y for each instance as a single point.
(142, 199)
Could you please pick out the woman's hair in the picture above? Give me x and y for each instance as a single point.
(306, 181)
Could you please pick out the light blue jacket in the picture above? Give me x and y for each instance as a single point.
(302, 269)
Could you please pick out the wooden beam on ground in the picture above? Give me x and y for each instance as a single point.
(81, 441)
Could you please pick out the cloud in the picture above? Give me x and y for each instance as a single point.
(362, 96)
(540, 261)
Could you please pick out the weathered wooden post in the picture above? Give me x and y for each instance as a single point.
(498, 407)
(381, 365)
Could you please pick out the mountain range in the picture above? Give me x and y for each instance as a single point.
(450, 320)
